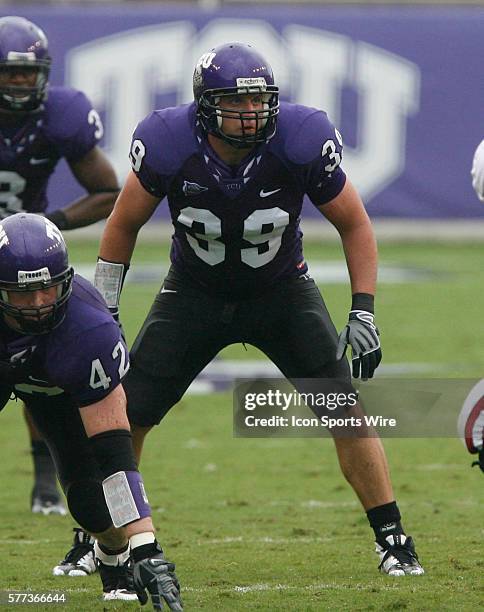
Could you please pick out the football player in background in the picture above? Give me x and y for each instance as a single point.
(471, 417)
(38, 127)
(477, 171)
(470, 424)
(235, 165)
(76, 400)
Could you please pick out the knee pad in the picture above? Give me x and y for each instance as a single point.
(87, 505)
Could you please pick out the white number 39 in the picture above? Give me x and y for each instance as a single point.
(99, 378)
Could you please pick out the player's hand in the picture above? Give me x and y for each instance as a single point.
(362, 335)
(477, 171)
(155, 576)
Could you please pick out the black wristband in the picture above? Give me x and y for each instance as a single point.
(113, 551)
(112, 190)
(145, 551)
(59, 218)
(363, 301)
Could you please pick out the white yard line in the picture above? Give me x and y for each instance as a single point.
(265, 540)
(265, 587)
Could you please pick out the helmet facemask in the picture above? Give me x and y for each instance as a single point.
(22, 98)
(211, 113)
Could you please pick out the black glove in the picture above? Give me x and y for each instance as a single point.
(154, 574)
(480, 463)
(363, 337)
(17, 369)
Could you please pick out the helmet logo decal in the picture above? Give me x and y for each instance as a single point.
(28, 56)
(252, 82)
(206, 60)
(53, 232)
(33, 276)
(3, 237)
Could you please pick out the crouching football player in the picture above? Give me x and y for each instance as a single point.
(63, 353)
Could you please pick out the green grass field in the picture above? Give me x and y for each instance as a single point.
(270, 524)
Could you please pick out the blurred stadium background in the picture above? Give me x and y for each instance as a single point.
(269, 524)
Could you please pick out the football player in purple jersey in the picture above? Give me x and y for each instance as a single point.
(235, 166)
(38, 127)
(76, 399)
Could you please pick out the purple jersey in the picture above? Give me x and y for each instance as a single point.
(67, 126)
(237, 229)
(84, 357)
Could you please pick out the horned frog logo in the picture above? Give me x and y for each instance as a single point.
(3, 237)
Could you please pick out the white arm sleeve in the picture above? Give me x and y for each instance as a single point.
(477, 171)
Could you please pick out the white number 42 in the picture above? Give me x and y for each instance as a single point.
(99, 378)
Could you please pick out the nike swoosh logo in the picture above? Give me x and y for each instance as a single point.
(265, 194)
(37, 161)
(163, 290)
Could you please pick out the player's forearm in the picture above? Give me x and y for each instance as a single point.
(107, 414)
(133, 209)
(118, 241)
(361, 254)
(85, 211)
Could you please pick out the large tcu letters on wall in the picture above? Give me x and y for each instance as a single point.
(403, 86)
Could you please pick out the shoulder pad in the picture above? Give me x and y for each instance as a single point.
(66, 111)
(301, 132)
(168, 136)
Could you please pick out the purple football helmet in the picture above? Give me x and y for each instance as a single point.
(23, 46)
(234, 69)
(33, 256)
